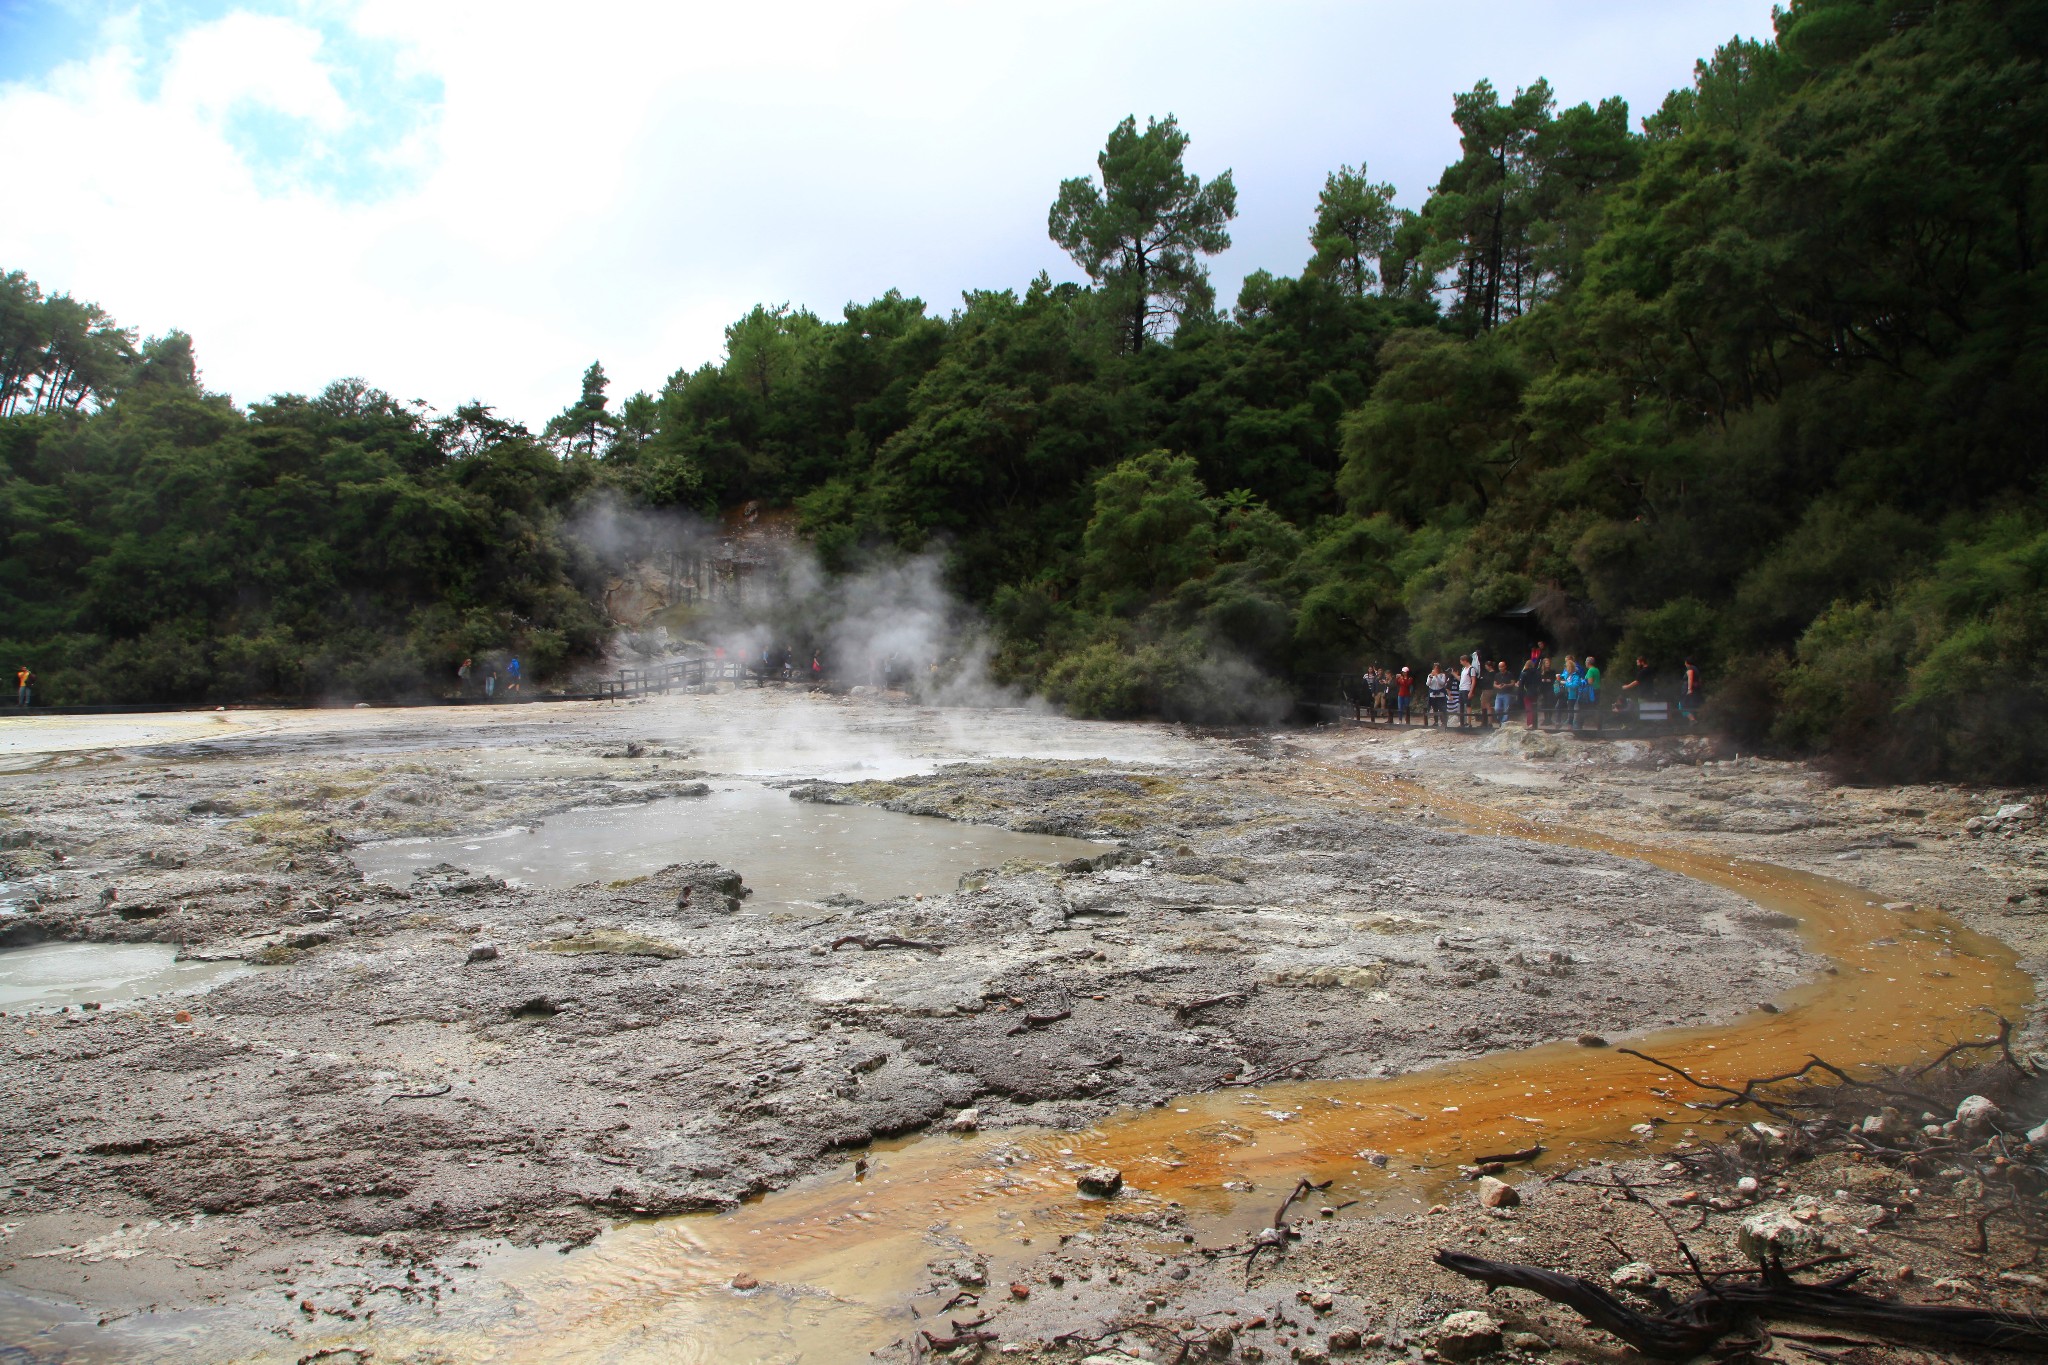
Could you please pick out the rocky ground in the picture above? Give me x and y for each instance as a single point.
(454, 1057)
(1953, 1216)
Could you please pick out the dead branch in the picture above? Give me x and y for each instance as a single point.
(1041, 1020)
(417, 1094)
(1301, 1187)
(2003, 1042)
(1262, 1077)
(1696, 1324)
(1191, 1007)
(1526, 1154)
(1748, 1093)
(961, 1339)
(868, 945)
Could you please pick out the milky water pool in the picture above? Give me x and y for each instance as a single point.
(787, 850)
(49, 976)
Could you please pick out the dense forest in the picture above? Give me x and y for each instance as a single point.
(1757, 378)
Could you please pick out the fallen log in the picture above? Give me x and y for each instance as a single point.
(868, 945)
(1526, 1154)
(1688, 1328)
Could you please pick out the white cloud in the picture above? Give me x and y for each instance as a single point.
(461, 200)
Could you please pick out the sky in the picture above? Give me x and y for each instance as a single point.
(474, 199)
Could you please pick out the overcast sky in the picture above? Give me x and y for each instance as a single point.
(457, 200)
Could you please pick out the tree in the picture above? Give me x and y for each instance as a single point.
(584, 427)
(1138, 233)
(1479, 216)
(1354, 227)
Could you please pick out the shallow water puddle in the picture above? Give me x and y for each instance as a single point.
(786, 850)
(50, 976)
(841, 1260)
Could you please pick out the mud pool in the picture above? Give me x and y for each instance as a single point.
(52, 976)
(789, 851)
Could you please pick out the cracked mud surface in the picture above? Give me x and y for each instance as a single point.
(624, 1054)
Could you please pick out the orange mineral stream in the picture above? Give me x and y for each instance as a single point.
(840, 1259)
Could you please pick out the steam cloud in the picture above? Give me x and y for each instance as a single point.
(894, 623)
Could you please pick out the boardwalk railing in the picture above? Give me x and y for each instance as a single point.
(672, 675)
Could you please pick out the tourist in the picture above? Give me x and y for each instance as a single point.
(1639, 687)
(1546, 695)
(1592, 682)
(1695, 692)
(1404, 687)
(1468, 688)
(490, 681)
(1503, 691)
(1571, 683)
(1437, 684)
(512, 675)
(462, 679)
(1530, 685)
(24, 686)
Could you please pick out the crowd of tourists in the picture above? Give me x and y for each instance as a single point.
(1543, 690)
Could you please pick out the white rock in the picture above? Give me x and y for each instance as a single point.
(966, 1121)
(1634, 1274)
(2038, 1134)
(1497, 1194)
(1976, 1116)
(2017, 811)
(1776, 1232)
(1466, 1335)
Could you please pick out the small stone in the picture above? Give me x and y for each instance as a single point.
(1634, 1275)
(966, 1121)
(484, 952)
(182, 1017)
(1019, 1290)
(743, 1282)
(1900, 906)
(1380, 1158)
(1888, 1124)
(1344, 1339)
(1904, 1274)
(2038, 1134)
(1746, 1185)
(1497, 1194)
(1100, 1181)
(1591, 1040)
(1527, 1341)
(1644, 1130)
(1466, 1336)
(1322, 1303)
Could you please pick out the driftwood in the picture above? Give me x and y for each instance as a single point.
(1526, 1154)
(1192, 1007)
(868, 945)
(1688, 1328)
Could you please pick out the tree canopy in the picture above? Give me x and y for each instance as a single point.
(1758, 378)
